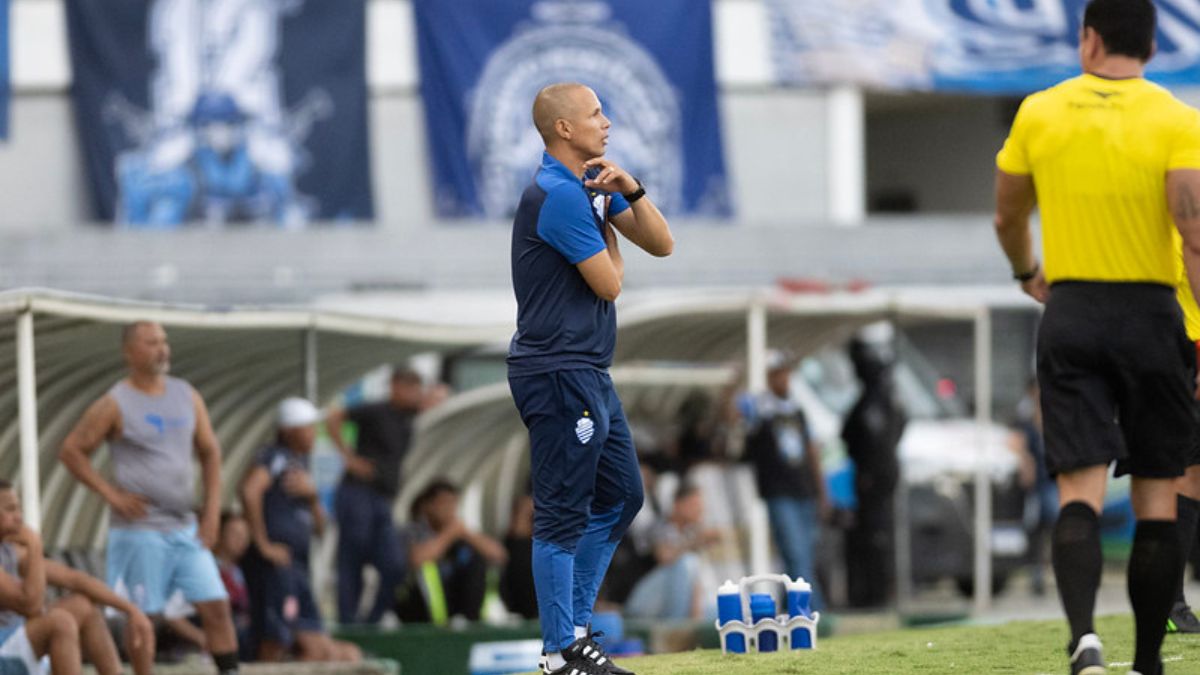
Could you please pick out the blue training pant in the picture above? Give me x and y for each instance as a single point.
(587, 489)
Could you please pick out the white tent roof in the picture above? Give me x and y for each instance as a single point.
(244, 359)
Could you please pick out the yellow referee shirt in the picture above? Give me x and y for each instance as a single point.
(1098, 151)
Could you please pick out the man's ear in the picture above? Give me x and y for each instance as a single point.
(563, 128)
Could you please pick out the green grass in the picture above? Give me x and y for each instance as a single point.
(1025, 647)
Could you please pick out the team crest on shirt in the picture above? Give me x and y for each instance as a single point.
(585, 428)
(600, 205)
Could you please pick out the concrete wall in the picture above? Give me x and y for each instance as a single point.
(939, 149)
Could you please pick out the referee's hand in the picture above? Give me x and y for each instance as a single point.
(611, 178)
(1037, 288)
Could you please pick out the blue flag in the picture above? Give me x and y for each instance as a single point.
(995, 47)
(222, 111)
(651, 64)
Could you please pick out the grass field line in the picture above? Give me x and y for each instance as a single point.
(1017, 647)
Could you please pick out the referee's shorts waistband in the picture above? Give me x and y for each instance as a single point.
(1122, 296)
(1114, 286)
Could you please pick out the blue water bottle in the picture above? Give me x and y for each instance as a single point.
(762, 606)
(729, 608)
(799, 599)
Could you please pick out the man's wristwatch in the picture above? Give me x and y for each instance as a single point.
(1028, 276)
(636, 194)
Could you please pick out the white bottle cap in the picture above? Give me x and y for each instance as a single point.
(799, 585)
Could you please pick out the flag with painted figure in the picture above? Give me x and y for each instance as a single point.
(651, 64)
(984, 46)
(222, 111)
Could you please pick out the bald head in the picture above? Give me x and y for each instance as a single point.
(146, 349)
(555, 102)
(130, 331)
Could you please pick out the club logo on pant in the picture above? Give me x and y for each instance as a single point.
(584, 429)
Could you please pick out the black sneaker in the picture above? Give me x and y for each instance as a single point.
(1182, 620)
(595, 652)
(578, 667)
(1088, 657)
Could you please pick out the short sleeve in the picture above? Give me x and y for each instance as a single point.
(273, 461)
(567, 224)
(618, 205)
(1013, 158)
(357, 414)
(747, 407)
(1185, 152)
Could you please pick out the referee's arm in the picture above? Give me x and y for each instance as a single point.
(1183, 198)
(1015, 199)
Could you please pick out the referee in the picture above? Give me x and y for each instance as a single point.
(567, 270)
(1109, 158)
(1182, 619)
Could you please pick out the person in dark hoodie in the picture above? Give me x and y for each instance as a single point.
(872, 433)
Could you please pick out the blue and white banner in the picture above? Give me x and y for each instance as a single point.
(651, 63)
(5, 78)
(223, 111)
(986, 46)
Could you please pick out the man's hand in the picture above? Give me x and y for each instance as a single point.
(141, 631)
(28, 538)
(611, 178)
(1037, 288)
(360, 467)
(710, 537)
(299, 484)
(209, 529)
(824, 509)
(128, 505)
(277, 554)
(458, 529)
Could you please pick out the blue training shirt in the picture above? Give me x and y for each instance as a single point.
(561, 323)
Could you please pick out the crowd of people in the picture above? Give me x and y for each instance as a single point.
(237, 583)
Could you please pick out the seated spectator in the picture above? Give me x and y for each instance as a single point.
(283, 512)
(449, 560)
(699, 438)
(180, 634)
(669, 591)
(516, 583)
(29, 630)
(184, 634)
(232, 543)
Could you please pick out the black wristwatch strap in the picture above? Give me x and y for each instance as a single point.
(1027, 276)
(636, 194)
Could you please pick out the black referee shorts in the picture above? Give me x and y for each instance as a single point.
(1117, 374)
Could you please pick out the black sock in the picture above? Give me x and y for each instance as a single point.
(1154, 566)
(1188, 510)
(226, 663)
(1077, 562)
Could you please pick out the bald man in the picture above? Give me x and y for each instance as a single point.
(154, 425)
(567, 271)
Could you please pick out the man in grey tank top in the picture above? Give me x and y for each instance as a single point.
(154, 425)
